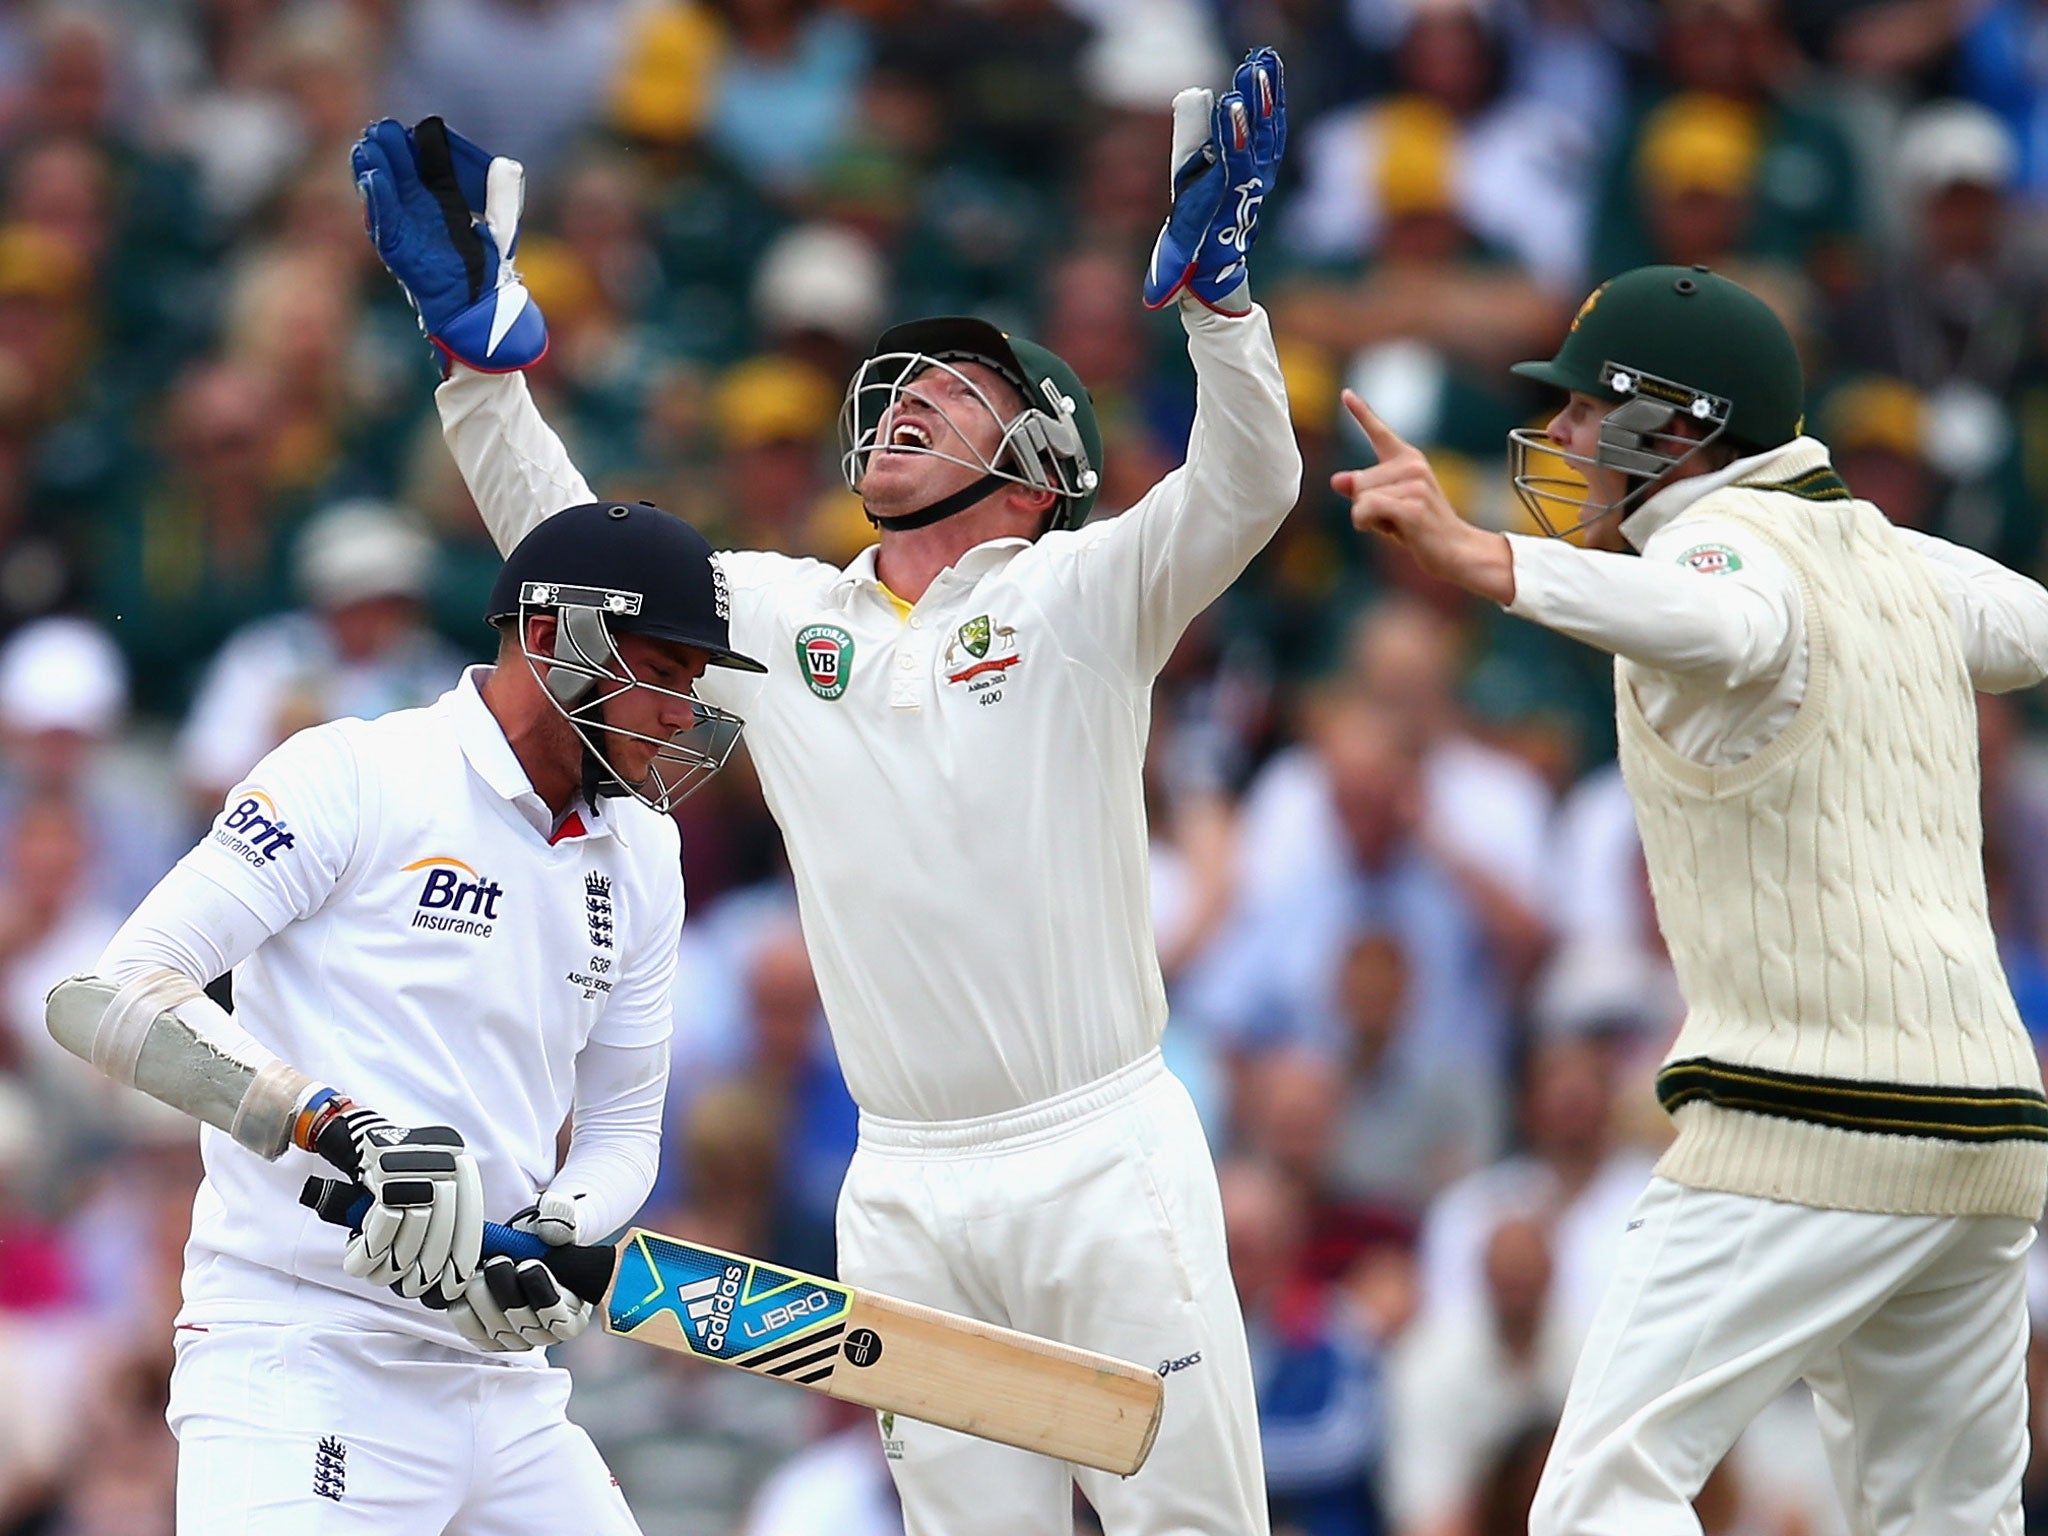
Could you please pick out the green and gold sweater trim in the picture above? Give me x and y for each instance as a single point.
(1818, 484)
(1885, 1109)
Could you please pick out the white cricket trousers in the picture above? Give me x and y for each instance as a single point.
(1911, 1332)
(1092, 1218)
(318, 1430)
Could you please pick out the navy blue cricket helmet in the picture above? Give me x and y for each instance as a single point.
(646, 571)
(616, 568)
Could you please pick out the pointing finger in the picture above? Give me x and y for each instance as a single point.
(1386, 442)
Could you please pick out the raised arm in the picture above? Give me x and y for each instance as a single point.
(513, 463)
(1172, 554)
(1735, 628)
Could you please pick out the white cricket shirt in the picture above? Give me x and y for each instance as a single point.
(960, 789)
(1716, 611)
(435, 958)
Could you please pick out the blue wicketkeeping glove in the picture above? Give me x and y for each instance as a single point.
(1224, 157)
(444, 215)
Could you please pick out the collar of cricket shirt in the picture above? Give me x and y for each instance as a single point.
(1783, 462)
(483, 743)
(969, 568)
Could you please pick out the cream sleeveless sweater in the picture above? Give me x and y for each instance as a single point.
(1850, 1040)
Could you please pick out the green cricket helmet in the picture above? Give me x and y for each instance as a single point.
(1665, 344)
(1053, 443)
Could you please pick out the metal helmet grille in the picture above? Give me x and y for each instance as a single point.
(1040, 445)
(1636, 440)
(584, 672)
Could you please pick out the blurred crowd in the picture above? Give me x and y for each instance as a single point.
(1417, 987)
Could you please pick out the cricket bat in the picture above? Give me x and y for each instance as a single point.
(860, 1347)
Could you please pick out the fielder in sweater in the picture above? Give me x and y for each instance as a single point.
(1862, 1143)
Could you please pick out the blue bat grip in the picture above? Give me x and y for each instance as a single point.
(512, 1242)
(498, 1238)
(585, 1268)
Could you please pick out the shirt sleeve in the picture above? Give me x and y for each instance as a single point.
(1145, 575)
(641, 1010)
(1715, 603)
(512, 461)
(187, 924)
(2000, 615)
(288, 831)
(753, 580)
(261, 866)
(615, 1139)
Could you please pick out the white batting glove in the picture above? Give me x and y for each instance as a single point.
(513, 1304)
(424, 1230)
(551, 1218)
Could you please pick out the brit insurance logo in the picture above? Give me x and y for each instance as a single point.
(825, 653)
(454, 898)
(252, 830)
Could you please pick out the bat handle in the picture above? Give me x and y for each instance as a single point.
(585, 1268)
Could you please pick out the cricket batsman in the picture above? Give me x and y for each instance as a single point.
(1862, 1141)
(951, 732)
(451, 929)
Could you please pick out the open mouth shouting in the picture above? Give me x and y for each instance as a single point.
(908, 435)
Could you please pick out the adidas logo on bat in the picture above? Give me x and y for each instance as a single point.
(708, 1303)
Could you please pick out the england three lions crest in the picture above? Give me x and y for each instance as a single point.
(597, 907)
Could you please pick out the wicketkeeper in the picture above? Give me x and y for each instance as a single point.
(951, 734)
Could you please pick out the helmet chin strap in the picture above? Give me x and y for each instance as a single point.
(599, 780)
(941, 509)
